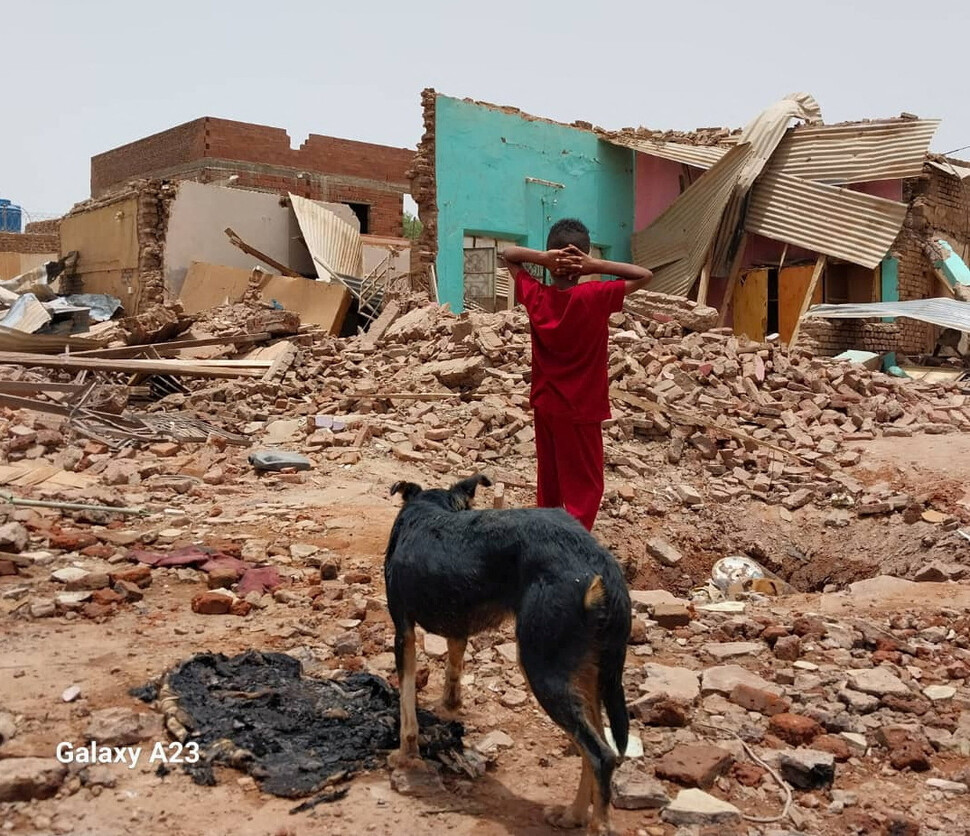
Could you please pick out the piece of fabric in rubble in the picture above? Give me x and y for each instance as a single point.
(292, 734)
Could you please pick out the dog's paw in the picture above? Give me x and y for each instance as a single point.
(448, 707)
(564, 818)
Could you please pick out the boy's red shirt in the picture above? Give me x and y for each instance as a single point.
(570, 335)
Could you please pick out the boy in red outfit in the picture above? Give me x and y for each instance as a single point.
(570, 390)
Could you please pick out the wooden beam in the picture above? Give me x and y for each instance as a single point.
(809, 293)
(174, 345)
(30, 387)
(705, 279)
(733, 277)
(188, 368)
(250, 250)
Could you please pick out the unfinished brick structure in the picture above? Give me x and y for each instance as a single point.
(424, 192)
(22, 251)
(370, 178)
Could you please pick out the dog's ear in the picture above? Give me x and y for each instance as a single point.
(408, 490)
(466, 487)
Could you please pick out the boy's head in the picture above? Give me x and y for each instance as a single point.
(568, 231)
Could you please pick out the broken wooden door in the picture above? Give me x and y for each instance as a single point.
(792, 285)
(751, 304)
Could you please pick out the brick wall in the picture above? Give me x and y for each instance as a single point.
(424, 192)
(51, 227)
(140, 159)
(28, 242)
(211, 150)
(828, 337)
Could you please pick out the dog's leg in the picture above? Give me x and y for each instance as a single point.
(404, 654)
(451, 699)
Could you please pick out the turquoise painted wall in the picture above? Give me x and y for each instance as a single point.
(482, 159)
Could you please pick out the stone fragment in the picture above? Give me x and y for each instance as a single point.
(723, 679)
(26, 779)
(907, 748)
(664, 682)
(122, 727)
(952, 787)
(696, 807)
(671, 616)
(663, 552)
(756, 699)
(435, 646)
(857, 701)
(633, 789)
(807, 769)
(795, 729)
(514, 698)
(731, 650)
(879, 682)
(13, 537)
(211, 603)
(694, 765)
(788, 648)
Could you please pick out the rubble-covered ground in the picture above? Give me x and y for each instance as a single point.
(853, 689)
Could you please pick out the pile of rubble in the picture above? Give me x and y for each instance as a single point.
(450, 392)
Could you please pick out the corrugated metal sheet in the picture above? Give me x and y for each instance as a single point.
(688, 226)
(699, 156)
(954, 170)
(827, 219)
(947, 313)
(856, 153)
(333, 243)
(763, 133)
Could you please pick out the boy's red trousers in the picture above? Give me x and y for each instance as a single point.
(570, 466)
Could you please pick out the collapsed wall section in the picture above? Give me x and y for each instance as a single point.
(424, 192)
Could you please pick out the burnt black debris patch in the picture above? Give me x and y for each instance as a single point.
(293, 734)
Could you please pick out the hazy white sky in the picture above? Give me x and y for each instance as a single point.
(83, 77)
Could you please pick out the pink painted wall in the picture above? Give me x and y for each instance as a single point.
(657, 186)
(889, 189)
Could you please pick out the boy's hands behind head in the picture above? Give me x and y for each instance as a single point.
(569, 262)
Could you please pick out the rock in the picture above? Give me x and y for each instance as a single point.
(694, 765)
(723, 679)
(795, 729)
(730, 650)
(514, 698)
(25, 779)
(857, 742)
(348, 644)
(879, 682)
(663, 552)
(494, 740)
(8, 727)
(907, 748)
(662, 682)
(644, 600)
(756, 699)
(417, 782)
(881, 587)
(141, 576)
(807, 769)
(798, 499)
(122, 727)
(834, 745)
(509, 651)
(71, 694)
(464, 371)
(212, 603)
(42, 609)
(952, 787)
(661, 713)
(788, 648)
(214, 476)
(690, 315)
(72, 600)
(857, 701)
(688, 495)
(939, 693)
(939, 572)
(13, 537)
(671, 616)
(98, 775)
(69, 574)
(633, 789)
(695, 806)
(164, 449)
(435, 646)
(222, 577)
(129, 592)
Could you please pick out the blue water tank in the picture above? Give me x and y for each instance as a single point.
(10, 216)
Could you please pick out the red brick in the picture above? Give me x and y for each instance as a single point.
(795, 729)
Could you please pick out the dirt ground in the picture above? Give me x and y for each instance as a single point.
(347, 511)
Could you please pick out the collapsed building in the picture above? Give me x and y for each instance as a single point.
(761, 223)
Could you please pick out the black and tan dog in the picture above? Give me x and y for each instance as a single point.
(457, 572)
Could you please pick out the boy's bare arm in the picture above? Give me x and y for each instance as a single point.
(553, 260)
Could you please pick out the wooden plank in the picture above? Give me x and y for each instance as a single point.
(30, 387)
(732, 282)
(751, 305)
(173, 346)
(705, 281)
(250, 250)
(792, 285)
(387, 316)
(809, 293)
(204, 368)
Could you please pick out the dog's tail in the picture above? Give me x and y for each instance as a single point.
(613, 630)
